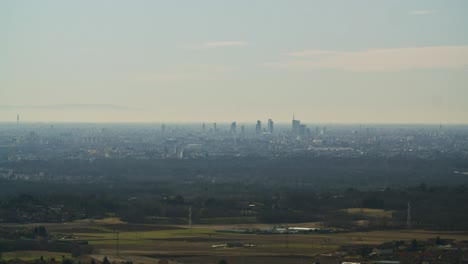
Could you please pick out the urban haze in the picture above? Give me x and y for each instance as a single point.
(232, 132)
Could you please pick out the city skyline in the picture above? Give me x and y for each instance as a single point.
(153, 61)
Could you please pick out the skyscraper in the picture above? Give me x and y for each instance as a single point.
(258, 127)
(296, 126)
(270, 126)
(233, 127)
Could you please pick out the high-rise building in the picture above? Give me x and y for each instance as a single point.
(270, 126)
(233, 127)
(214, 128)
(302, 129)
(203, 127)
(258, 127)
(296, 126)
(17, 119)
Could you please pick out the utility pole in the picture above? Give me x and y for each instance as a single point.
(408, 217)
(190, 217)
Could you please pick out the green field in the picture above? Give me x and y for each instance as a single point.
(151, 242)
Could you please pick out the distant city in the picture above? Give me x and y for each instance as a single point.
(42, 141)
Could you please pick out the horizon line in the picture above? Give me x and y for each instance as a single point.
(227, 122)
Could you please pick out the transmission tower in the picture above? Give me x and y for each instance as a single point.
(190, 216)
(408, 217)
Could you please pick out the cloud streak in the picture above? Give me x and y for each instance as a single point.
(217, 44)
(68, 107)
(185, 73)
(422, 12)
(378, 60)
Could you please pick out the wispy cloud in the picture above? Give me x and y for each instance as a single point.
(311, 53)
(216, 44)
(184, 73)
(176, 77)
(69, 107)
(372, 60)
(423, 12)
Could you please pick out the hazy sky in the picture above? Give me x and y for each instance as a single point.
(348, 61)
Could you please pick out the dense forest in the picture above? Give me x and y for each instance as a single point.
(318, 171)
(241, 190)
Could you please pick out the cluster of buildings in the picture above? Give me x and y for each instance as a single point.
(278, 230)
(414, 251)
(195, 141)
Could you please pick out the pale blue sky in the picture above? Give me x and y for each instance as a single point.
(346, 61)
